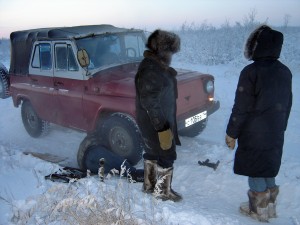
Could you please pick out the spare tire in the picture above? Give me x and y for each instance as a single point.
(91, 151)
(4, 82)
(89, 141)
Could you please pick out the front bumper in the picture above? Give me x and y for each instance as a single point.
(210, 110)
(214, 107)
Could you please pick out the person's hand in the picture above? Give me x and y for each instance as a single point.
(230, 142)
(165, 139)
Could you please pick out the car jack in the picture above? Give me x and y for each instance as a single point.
(209, 164)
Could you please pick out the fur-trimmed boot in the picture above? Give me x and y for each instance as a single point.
(163, 189)
(272, 203)
(257, 207)
(150, 174)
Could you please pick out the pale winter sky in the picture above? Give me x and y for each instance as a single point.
(151, 14)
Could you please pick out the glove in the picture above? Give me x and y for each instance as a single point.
(165, 139)
(230, 142)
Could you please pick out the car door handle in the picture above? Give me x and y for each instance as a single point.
(58, 83)
(34, 79)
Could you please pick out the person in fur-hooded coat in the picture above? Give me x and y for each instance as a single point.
(156, 94)
(259, 117)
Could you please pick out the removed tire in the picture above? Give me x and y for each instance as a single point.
(122, 136)
(33, 124)
(89, 141)
(4, 82)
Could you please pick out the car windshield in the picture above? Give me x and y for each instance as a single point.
(113, 49)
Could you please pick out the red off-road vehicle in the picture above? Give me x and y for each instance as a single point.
(83, 78)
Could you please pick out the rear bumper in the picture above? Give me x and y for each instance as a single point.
(210, 110)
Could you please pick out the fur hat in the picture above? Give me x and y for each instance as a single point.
(263, 42)
(162, 41)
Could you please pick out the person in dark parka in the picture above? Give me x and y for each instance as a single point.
(156, 94)
(259, 118)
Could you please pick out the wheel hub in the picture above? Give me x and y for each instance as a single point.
(120, 140)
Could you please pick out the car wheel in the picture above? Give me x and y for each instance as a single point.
(122, 136)
(193, 130)
(4, 85)
(34, 125)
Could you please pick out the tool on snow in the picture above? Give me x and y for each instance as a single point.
(209, 164)
(67, 174)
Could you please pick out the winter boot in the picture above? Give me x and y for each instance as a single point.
(257, 207)
(150, 173)
(272, 203)
(163, 189)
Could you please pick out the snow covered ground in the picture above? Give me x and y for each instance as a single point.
(209, 197)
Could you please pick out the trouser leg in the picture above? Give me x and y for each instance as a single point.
(257, 184)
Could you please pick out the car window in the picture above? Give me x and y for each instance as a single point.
(45, 56)
(36, 57)
(61, 57)
(108, 50)
(111, 49)
(64, 58)
(73, 66)
(42, 57)
(134, 45)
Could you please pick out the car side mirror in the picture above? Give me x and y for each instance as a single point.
(83, 58)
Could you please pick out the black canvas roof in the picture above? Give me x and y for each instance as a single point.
(66, 32)
(22, 41)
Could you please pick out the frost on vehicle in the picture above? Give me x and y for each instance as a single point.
(83, 78)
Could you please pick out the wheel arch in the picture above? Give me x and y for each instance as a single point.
(103, 114)
(19, 99)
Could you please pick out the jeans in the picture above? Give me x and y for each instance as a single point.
(112, 160)
(261, 184)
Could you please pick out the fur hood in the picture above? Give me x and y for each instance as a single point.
(148, 54)
(163, 41)
(263, 42)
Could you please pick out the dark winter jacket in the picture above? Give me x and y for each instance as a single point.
(156, 94)
(262, 106)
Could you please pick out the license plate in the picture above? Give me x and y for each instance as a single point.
(195, 119)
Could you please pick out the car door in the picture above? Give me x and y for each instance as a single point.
(40, 89)
(68, 84)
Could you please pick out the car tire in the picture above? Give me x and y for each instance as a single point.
(89, 141)
(34, 125)
(4, 82)
(193, 130)
(122, 136)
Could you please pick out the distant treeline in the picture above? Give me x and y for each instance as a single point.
(208, 45)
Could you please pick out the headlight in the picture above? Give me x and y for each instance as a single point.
(209, 87)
